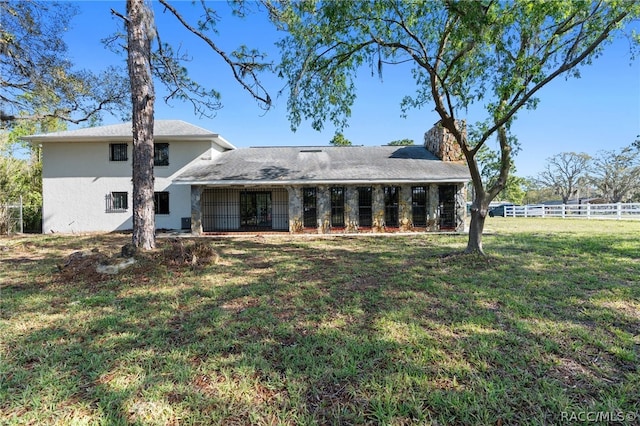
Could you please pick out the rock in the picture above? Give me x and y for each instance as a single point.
(116, 267)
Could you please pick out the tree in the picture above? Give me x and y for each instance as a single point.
(616, 174)
(149, 57)
(401, 142)
(489, 163)
(340, 140)
(21, 167)
(41, 91)
(535, 192)
(565, 173)
(141, 32)
(37, 81)
(496, 55)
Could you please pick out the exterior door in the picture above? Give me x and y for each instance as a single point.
(255, 210)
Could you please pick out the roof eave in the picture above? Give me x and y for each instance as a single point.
(222, 142)
(319, 182)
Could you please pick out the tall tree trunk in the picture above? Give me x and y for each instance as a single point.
(140, 32)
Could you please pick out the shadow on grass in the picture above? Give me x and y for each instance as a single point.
(331, 331)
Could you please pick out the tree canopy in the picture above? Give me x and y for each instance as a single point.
(37, 79)
(565, 173)
(401, 142)
(489, 163)
(616, 173)
(495, 55)
(340, 140)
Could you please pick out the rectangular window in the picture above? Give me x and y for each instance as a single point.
(391, 198)
(117, 202)
(365, 206)
(161, 154)
(337, 206)
(419, 205)
(161, 202)
(255, 209)
(118, 152)
(309, 207)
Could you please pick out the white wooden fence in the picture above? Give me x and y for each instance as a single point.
(577, 211)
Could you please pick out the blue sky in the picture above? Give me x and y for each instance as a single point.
(599, 111)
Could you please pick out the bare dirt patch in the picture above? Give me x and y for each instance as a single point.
(95, 265)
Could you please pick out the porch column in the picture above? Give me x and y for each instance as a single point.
(296, 220)
(405, 208)
(432, 209)
(461, 207)
(351, 209)
(324, 209)
(196, 209)
(378, 209)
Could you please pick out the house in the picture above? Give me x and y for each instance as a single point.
(205, 184)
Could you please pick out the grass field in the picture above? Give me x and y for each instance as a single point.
(391, 330)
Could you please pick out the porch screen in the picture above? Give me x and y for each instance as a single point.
(391, 198)
(419, 205)
(309, 207)
(337, 206)
(228, 209)
(365, 203)
(447, 206)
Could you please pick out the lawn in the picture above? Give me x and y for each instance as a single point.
(279, 330)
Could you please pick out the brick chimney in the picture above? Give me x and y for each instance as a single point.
(441, 143)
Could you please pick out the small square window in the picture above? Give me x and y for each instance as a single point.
(117, 202)
(161, 202)
(161, 154)
(118, 152)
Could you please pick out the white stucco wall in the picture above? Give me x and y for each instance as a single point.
(78, 176)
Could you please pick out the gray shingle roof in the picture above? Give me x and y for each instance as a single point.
(289, 165)
(163, 129)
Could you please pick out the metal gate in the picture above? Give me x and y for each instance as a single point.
(447, 207)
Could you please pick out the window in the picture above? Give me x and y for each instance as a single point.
(161, 154)
(309, 218)
(161, 202)
(419, 205)
(117, 202)
(337, 206)
(118, 152)
(365, 201)
(391, 197)
(255, 209)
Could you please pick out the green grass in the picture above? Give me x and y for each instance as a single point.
(389, 330)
